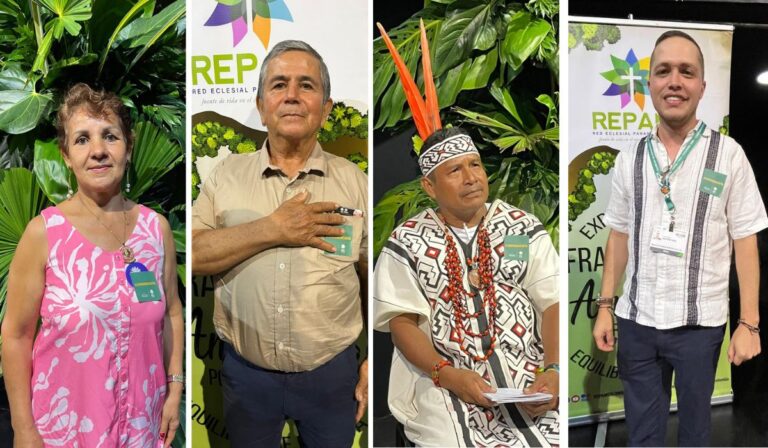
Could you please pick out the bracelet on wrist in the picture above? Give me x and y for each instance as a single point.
(549, 367)
(754, 329)
(436, 371)
(606, 302)
(175, 379)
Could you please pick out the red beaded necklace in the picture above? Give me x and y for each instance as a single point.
(459, 296)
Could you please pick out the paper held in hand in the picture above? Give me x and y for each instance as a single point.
(507, 395)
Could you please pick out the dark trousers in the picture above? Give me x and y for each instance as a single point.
(647, 357)
(321, 402)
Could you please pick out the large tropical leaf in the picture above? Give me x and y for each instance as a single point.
(20, 201)
(144, 32)
(21, 110)
(52, 174)
(524, 35)
(137, 9)
(154, 154)
(67, 14)
(462, 32)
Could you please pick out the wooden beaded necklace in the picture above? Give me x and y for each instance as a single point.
(482, 269)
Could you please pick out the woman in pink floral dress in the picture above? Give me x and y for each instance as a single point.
(104, 369)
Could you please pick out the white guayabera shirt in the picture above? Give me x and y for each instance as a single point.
(666, 291)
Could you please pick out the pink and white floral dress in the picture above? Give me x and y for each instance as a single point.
(98, 378)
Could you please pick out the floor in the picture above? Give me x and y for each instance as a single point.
(739, 424)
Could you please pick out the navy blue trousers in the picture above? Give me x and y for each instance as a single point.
(646, 359)
(321, 402)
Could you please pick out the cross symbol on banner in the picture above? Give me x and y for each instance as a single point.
(632, 78)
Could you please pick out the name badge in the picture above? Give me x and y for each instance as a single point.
(712, 182)
(145, 285)
(343, 243)
(670, 243)
(516, 247)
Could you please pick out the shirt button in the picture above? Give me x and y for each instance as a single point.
(280, 346)
(282, 266)
(279, 308)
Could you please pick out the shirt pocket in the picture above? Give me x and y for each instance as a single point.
(356, 223)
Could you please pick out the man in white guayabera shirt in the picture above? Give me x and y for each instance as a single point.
(681, 198)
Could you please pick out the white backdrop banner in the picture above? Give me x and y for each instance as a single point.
(228, 39)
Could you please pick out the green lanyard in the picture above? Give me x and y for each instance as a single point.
(662, 177)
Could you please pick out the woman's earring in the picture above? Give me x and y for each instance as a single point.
(69, 187)
(128, 177)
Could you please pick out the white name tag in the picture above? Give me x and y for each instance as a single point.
(669, 243)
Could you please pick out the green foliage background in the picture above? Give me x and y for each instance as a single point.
(496, 70)
(132, 47)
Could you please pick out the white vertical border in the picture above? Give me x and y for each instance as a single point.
(188, 348)
(564, 296)
(369, 305)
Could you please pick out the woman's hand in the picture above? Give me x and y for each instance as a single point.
(29, 438)
(169, 421)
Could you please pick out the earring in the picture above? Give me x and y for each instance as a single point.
(69, 187)
(128, 177)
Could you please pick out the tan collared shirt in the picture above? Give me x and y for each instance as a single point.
(289, 309)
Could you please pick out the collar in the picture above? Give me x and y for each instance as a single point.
(655, 133)
(316, 161)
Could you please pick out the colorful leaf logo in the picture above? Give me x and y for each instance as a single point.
(235, 13)
(629, 79)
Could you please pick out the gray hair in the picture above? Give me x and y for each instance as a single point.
(295, 45)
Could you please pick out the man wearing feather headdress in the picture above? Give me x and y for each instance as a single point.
(469, 292)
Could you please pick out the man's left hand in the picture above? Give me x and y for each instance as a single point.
(547, 382)
(744, 346)
(361, 391)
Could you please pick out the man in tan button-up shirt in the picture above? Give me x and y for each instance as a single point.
(288, 301)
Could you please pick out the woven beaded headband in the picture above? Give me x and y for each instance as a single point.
(426, 111)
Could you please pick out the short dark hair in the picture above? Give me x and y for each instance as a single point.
(97, 103)
(294, 45)
(677, 33)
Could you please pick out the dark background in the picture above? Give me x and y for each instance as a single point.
(394, 163)
(746, 421)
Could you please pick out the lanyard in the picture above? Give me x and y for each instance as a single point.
(662, 177)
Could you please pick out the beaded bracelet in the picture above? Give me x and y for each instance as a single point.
(436, 371)
(554, 366)
(752, 328)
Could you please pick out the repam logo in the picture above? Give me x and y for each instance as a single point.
(236, 70)
(238, 14)
(628, 80)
